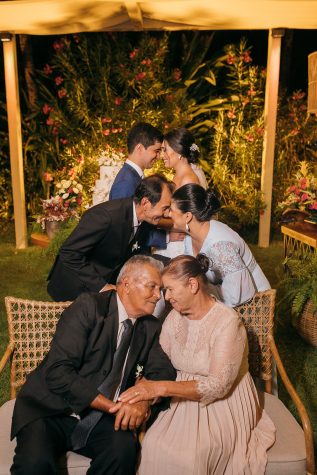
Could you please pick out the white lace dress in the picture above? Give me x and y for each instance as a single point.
(234, 274)
(226, 432)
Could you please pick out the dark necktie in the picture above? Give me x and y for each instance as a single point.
(108, 388)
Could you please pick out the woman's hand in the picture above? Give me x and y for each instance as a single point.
(144, 390)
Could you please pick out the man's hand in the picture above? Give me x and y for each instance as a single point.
(108, 287)
(130, 416)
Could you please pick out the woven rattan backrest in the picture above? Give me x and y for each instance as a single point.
(257, 316)
(31, 326)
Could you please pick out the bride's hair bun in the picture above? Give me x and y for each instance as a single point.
(183, 142)
(203, 262)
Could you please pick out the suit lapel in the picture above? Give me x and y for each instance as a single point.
(112, 318)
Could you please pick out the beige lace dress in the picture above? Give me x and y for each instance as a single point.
(226, 432)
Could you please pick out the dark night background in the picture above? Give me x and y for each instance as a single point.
(296, 45)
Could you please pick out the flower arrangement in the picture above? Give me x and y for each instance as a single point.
(71, 193)
(63, 205)
(302, 193)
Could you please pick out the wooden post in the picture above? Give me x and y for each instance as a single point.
(15, 141)
(270, 113)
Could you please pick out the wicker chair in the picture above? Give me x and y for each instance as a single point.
(32, 324)
(293, 451)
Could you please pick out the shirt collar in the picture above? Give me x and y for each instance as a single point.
(122, 312)
(136, 167)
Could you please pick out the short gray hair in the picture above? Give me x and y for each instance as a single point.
(134, 262)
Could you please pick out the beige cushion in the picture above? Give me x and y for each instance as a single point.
(288, 455)
(76, 464)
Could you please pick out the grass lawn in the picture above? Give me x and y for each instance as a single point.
(23, 274)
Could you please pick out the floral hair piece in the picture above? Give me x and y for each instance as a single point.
(194, 148)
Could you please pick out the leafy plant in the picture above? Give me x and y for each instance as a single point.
(299, 285)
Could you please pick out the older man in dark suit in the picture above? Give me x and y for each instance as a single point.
(103, 343)
(106, 236)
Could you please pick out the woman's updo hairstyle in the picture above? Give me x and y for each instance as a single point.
(182, 141)
(184, 267)
(203, 204)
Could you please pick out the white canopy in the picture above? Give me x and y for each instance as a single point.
(48, 17)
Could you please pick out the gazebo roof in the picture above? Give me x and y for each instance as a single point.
(45, 17)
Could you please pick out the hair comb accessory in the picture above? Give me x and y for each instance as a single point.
(194, 148)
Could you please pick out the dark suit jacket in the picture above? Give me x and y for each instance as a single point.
(81, 357)
(124, 186)
(96, 250)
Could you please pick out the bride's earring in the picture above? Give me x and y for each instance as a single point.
(180, 157)
(187, 228)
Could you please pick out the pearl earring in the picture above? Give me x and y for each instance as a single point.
(187, 228)
(180, 157)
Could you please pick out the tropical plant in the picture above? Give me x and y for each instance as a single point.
(299, 285)
(237, 135)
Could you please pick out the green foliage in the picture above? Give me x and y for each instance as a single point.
(299, 285)
(66, 228)
(5, 173)
(237, 136)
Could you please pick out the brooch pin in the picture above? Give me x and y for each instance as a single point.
(139, 370)
(135, 246)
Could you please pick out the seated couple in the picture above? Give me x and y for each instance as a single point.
(212, 423)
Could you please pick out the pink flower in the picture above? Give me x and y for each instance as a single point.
(245, 101)
(313, 205)
(303, 183)
(46, 109)
(251, 92)
(246, 58)
(260, 130)
(133, 53)
(298, 95)
(47, 69)
(50, 121)
(177, 74)
(231, 114)
(106, 120)
(47, 176)
(120, 129)
(64, 141)
(294, 131)
(58, 80)
(231, 59)
(304, 197)
(114, 131)
(106, 132)
(62, 93)
(249, 137)
(55, 130)
(118, 101)
(140, 76)
(58, 45)
(292, 189)
(80, 159)
(146, 61)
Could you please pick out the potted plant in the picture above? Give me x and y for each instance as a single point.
(299, 290)
(301, 196)
(65, 204)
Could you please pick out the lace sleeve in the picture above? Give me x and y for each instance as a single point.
(237, 283)
(225, 361)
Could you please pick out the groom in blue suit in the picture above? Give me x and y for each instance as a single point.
(144, 148)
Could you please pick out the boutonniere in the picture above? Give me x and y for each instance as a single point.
(139, 370)
(135, 246)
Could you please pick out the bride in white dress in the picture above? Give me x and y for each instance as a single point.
(180, 152)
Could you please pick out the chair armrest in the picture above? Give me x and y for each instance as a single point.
(306, 424)
(6, 356)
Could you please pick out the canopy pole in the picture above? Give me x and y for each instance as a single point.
(15, 141)
(270, 113)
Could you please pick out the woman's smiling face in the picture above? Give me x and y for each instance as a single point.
(170, 157)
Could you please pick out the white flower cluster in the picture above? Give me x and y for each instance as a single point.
(67, 187)
(111, 157)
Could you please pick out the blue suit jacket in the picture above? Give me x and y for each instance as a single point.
(124, 186)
